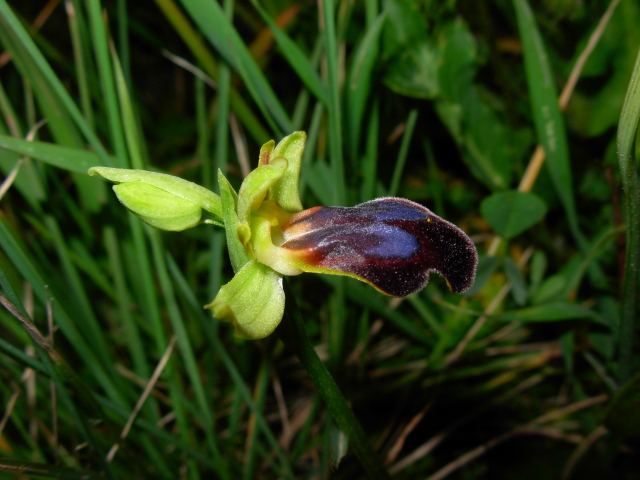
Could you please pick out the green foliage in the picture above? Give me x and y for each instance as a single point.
(623, 417)
(440, 102)
(511, 213)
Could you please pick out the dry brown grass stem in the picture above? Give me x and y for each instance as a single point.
(581, 450)
(537, 159)
(145, 394)
(532, 428)
(495, 303)
(437, 439)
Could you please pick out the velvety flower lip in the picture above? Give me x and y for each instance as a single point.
(391, 243)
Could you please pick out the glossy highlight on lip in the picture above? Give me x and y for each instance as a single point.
(391, 243)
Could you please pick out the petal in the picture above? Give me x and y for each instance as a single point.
(285, 190)
(390, 243)
(253, 191)
(253, 301)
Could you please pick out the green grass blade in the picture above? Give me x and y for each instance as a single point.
(70, 159)
(627, 130)
(547, 117)
(328, 33)
(262, 384)
(292, 333)
(132, 134)
(199, 50)
(402, 154)
(9, 21)
(9, 114)
(80, 61)
(370, 162)
(198, 312)
(294, 55)
(58, 120)
(366, 297)
(20, 357)
(100, 39)
(186, 350)
(359, 79)
(76, 288)
(58, 371)
(215, 26)
(123, 298)
(25, 264)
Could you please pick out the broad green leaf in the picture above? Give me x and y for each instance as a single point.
(414, 72)
(442, 65)
(511, 213)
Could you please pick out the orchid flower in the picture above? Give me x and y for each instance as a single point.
(390, 243)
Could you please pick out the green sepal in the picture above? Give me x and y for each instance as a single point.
(190, 191)
(285, 190)
(157, 207)
(253, 191)
(229, 197)
(253, 301)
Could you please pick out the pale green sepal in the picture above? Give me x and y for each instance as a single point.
(157, 207)
(175, 185)
(253, 301)
(285, 191)
(229, 198)
(253, 191)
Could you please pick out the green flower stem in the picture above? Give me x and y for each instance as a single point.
(294, 336)
(627, 129)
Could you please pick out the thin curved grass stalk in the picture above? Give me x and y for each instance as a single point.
(627, 129)
(293, 335)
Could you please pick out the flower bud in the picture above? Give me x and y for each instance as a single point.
(157, 207)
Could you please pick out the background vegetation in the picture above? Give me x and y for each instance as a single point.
(528, 375)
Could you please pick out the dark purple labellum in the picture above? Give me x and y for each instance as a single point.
(392, 243)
